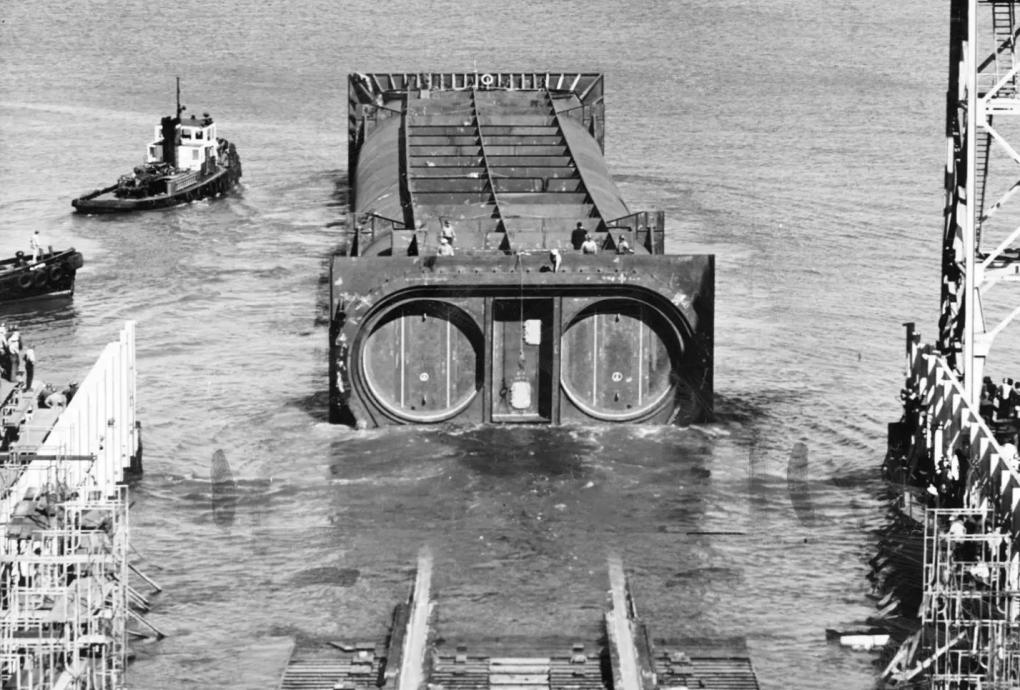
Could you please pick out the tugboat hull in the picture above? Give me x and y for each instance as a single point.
(105, 201)
(54, 274)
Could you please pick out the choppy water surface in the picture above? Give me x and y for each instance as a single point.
(791, 140)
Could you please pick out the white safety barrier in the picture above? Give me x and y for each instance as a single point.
(99, 422)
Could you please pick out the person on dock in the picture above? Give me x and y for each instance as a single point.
(14, 354)
(5, 363)
(36, 245)
(589, 246)
(445, 248)
(1003, 408)
(28, 360)
(986, 406)
(53, 399)
(1009, 456)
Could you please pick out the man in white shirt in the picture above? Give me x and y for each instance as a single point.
(36, 245)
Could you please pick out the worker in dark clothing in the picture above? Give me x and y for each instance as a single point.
(28, 360)
(986, 407)
(578, 236)
(5, 363)
(1005, 410)
(14, 354)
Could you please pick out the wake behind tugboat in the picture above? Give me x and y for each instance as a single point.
(185, 162)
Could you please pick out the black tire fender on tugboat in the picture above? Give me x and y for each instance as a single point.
(41, 277)
(25, 280)
(57, 274)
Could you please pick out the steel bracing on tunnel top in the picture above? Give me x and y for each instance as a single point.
(503, 158)
(513, 160)
(981, 237)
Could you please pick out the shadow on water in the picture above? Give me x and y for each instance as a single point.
(798, 485)
(731, 410)
(42, 310)
(508, 451)
(315, 405)
(224, 490)
(222, 493)
(341, 188)
(325, 575)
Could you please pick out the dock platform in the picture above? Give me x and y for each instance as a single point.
(64, 571)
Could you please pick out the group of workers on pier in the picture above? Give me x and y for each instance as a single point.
(1000, 407)
(16, 356)
(17, 366)
(587, 245)
(1000, 410)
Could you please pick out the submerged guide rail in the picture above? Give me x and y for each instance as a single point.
(491, 271)
(416, 656)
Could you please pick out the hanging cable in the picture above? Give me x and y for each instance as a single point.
(520, 389)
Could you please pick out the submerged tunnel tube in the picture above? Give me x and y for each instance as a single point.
(422, 361)
(619, 358)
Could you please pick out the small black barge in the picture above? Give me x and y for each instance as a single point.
(52, 273)
(492, 273)
(185, 162)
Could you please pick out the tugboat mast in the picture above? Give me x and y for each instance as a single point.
(977, 93)
(179, 108)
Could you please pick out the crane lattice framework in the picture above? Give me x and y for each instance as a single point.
(982, 102)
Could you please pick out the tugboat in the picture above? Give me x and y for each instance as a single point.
(52, 273)
(186, 161)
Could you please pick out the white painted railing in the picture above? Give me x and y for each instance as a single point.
(99, 422)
